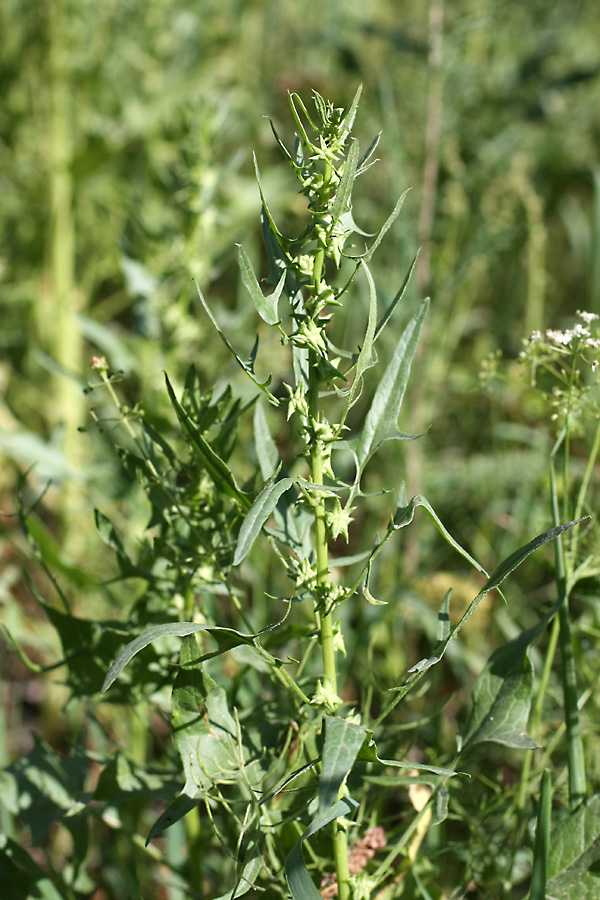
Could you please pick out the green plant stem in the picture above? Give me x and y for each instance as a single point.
(575, 754)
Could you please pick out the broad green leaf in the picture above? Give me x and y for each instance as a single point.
(203, 728)
(539, 875)
(261, 510)
(296, 873)
(246, 879)
(381, 420)
(574, 857)
(404, 516)
(343, 740)
(226, 637)
(502, 699)
(214, 465)
(265, 306)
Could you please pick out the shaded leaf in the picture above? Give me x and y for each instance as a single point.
(574, 857)
(296, 873)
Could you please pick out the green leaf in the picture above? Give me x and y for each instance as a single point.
(502, 699)
(384, 228)
(203, 728)
(404, 516)
(343, 740)
(267, 453)
(341, 202)
(214, 465)
(368, 753)
(180, 807)
(265, 306)
(247, 367)
(574, 857)
(226, 637)
(261, 510)
(296, 873)
(381, 420)
(398, 297)
(366, 357)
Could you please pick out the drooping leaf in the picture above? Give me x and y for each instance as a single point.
(226, 637)
(343, 740)
(495, 580)
(261, 510)
(574, 857)
(404, 516)
(180, 807)
(296, 873)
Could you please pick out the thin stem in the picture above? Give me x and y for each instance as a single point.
(575, 754)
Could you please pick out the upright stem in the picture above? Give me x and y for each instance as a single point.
(575, 755)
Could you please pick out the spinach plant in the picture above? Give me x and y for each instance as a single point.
(287, 756)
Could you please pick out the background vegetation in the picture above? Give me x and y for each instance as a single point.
(126, 139)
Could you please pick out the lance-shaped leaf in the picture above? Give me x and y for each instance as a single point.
(404, 516)
(341, 202)
(226, 637)
(260, 511)
(381, 421)
(265, 306)
(343, 740)
(248, 367)
(495, 580)
(217, 470)
(296, 873)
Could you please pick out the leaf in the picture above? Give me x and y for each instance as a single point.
(574, 857)
(502, 699)
(368, 753)
(385, 227)
(261, 510)
(203, 728)
(341, 201)
(501, 572)
(214, 465)
(180, 807)
(227, 638)
(247, 367)
(265, 306)
(296, 873)
(343, 740)
(381, 420)
(267, 453)
(398, 297)
(404, 516)
(366, 357)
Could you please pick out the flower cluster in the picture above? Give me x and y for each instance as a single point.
(569, 365)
